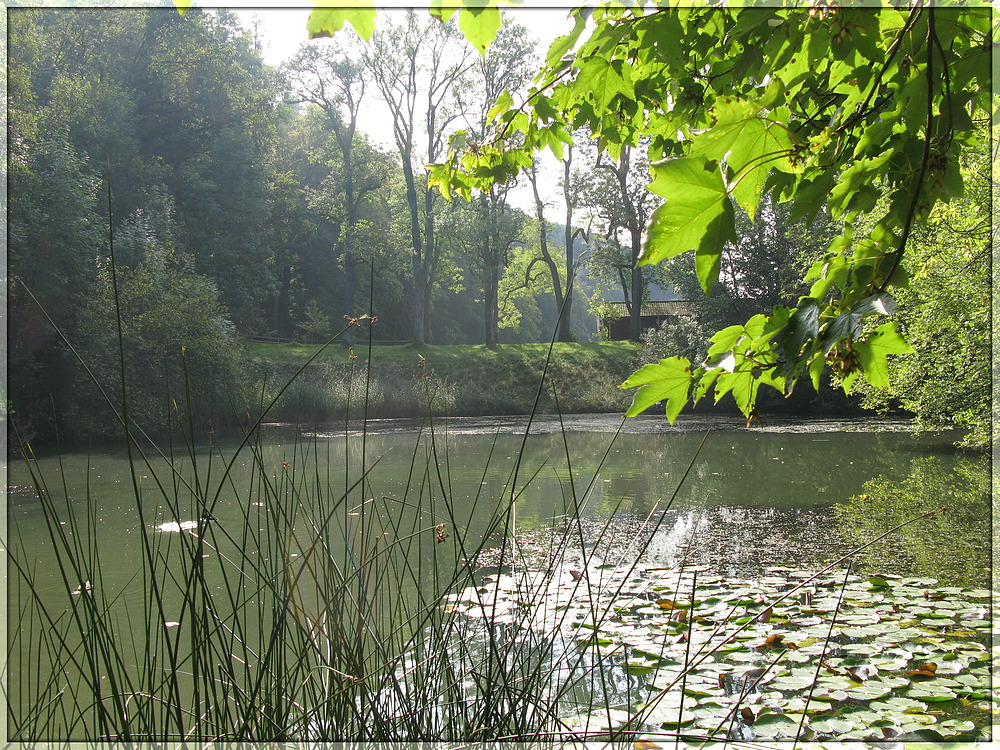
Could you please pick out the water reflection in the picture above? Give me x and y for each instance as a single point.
(953, 545)
(744, 501)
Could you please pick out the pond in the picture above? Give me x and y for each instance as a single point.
(705, 494)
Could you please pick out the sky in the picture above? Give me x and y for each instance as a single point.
(282, 31)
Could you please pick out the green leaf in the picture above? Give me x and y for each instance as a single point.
(603, 81)
(668, 380)
(503, 104)
(708, 257)
(480, 26)
(697, 214)
(873, 353)
(563, 44)
(803, 325)
(443, 10)
(325, 22)
(182, 6)
(723, 341)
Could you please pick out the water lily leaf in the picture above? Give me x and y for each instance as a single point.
(773, 726)
(953, 727)
(899, 704)
(670, 717)
(978, 594)
(831, 725)
(861, 619)
(777, 640)
(932, 693)
(833, 696)
(923, 672)
(869, 691)
(861, 716)
(869, 649)
(792, 682)
(860, 673)
(862, 632)
(640, 666)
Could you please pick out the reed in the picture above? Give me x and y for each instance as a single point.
(336, 609)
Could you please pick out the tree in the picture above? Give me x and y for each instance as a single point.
(615, 193)
(52, 240)
(332, 79)
(504, 67)
(178, 114)
(483, 234)
(416, 68)
(945, 312)
(827, 106)
(209, 122)
(184, 364)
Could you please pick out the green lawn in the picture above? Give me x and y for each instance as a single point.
(460, 356)
(465, 380)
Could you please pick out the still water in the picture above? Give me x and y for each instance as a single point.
(237, 534)
(718, 494)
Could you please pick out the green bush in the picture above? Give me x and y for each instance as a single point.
(181, 355)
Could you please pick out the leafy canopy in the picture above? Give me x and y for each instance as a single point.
(864, 110)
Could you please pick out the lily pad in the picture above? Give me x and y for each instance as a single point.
(931, 692)
(832, 725)
(773, 726)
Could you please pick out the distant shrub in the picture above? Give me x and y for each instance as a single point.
(683, 337)
(180, 349)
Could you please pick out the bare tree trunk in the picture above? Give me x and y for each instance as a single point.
(543, 245)
(566, 314)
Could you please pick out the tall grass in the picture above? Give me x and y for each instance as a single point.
(326, 613)
(332, 609)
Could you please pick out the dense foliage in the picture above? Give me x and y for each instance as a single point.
(799, 161)
(945, 312)
(255, 193)
(863, 111)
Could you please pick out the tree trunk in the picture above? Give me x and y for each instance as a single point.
(635, 322)
(418, 302)
(543, 245)
(491, 315)
(566, 315)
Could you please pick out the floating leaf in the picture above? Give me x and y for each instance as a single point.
(872, 690)
(860, 673)
(831, 725)
(932, 693)
(792, 683)
(924, 671)
(773, 726)
(776, 640)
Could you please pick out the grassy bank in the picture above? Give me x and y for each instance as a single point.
(456, 380)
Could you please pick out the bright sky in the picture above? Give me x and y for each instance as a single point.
(283, 30)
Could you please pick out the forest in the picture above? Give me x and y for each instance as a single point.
(768, 227)
(157, 161)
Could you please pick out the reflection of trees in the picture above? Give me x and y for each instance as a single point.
(953, 547)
